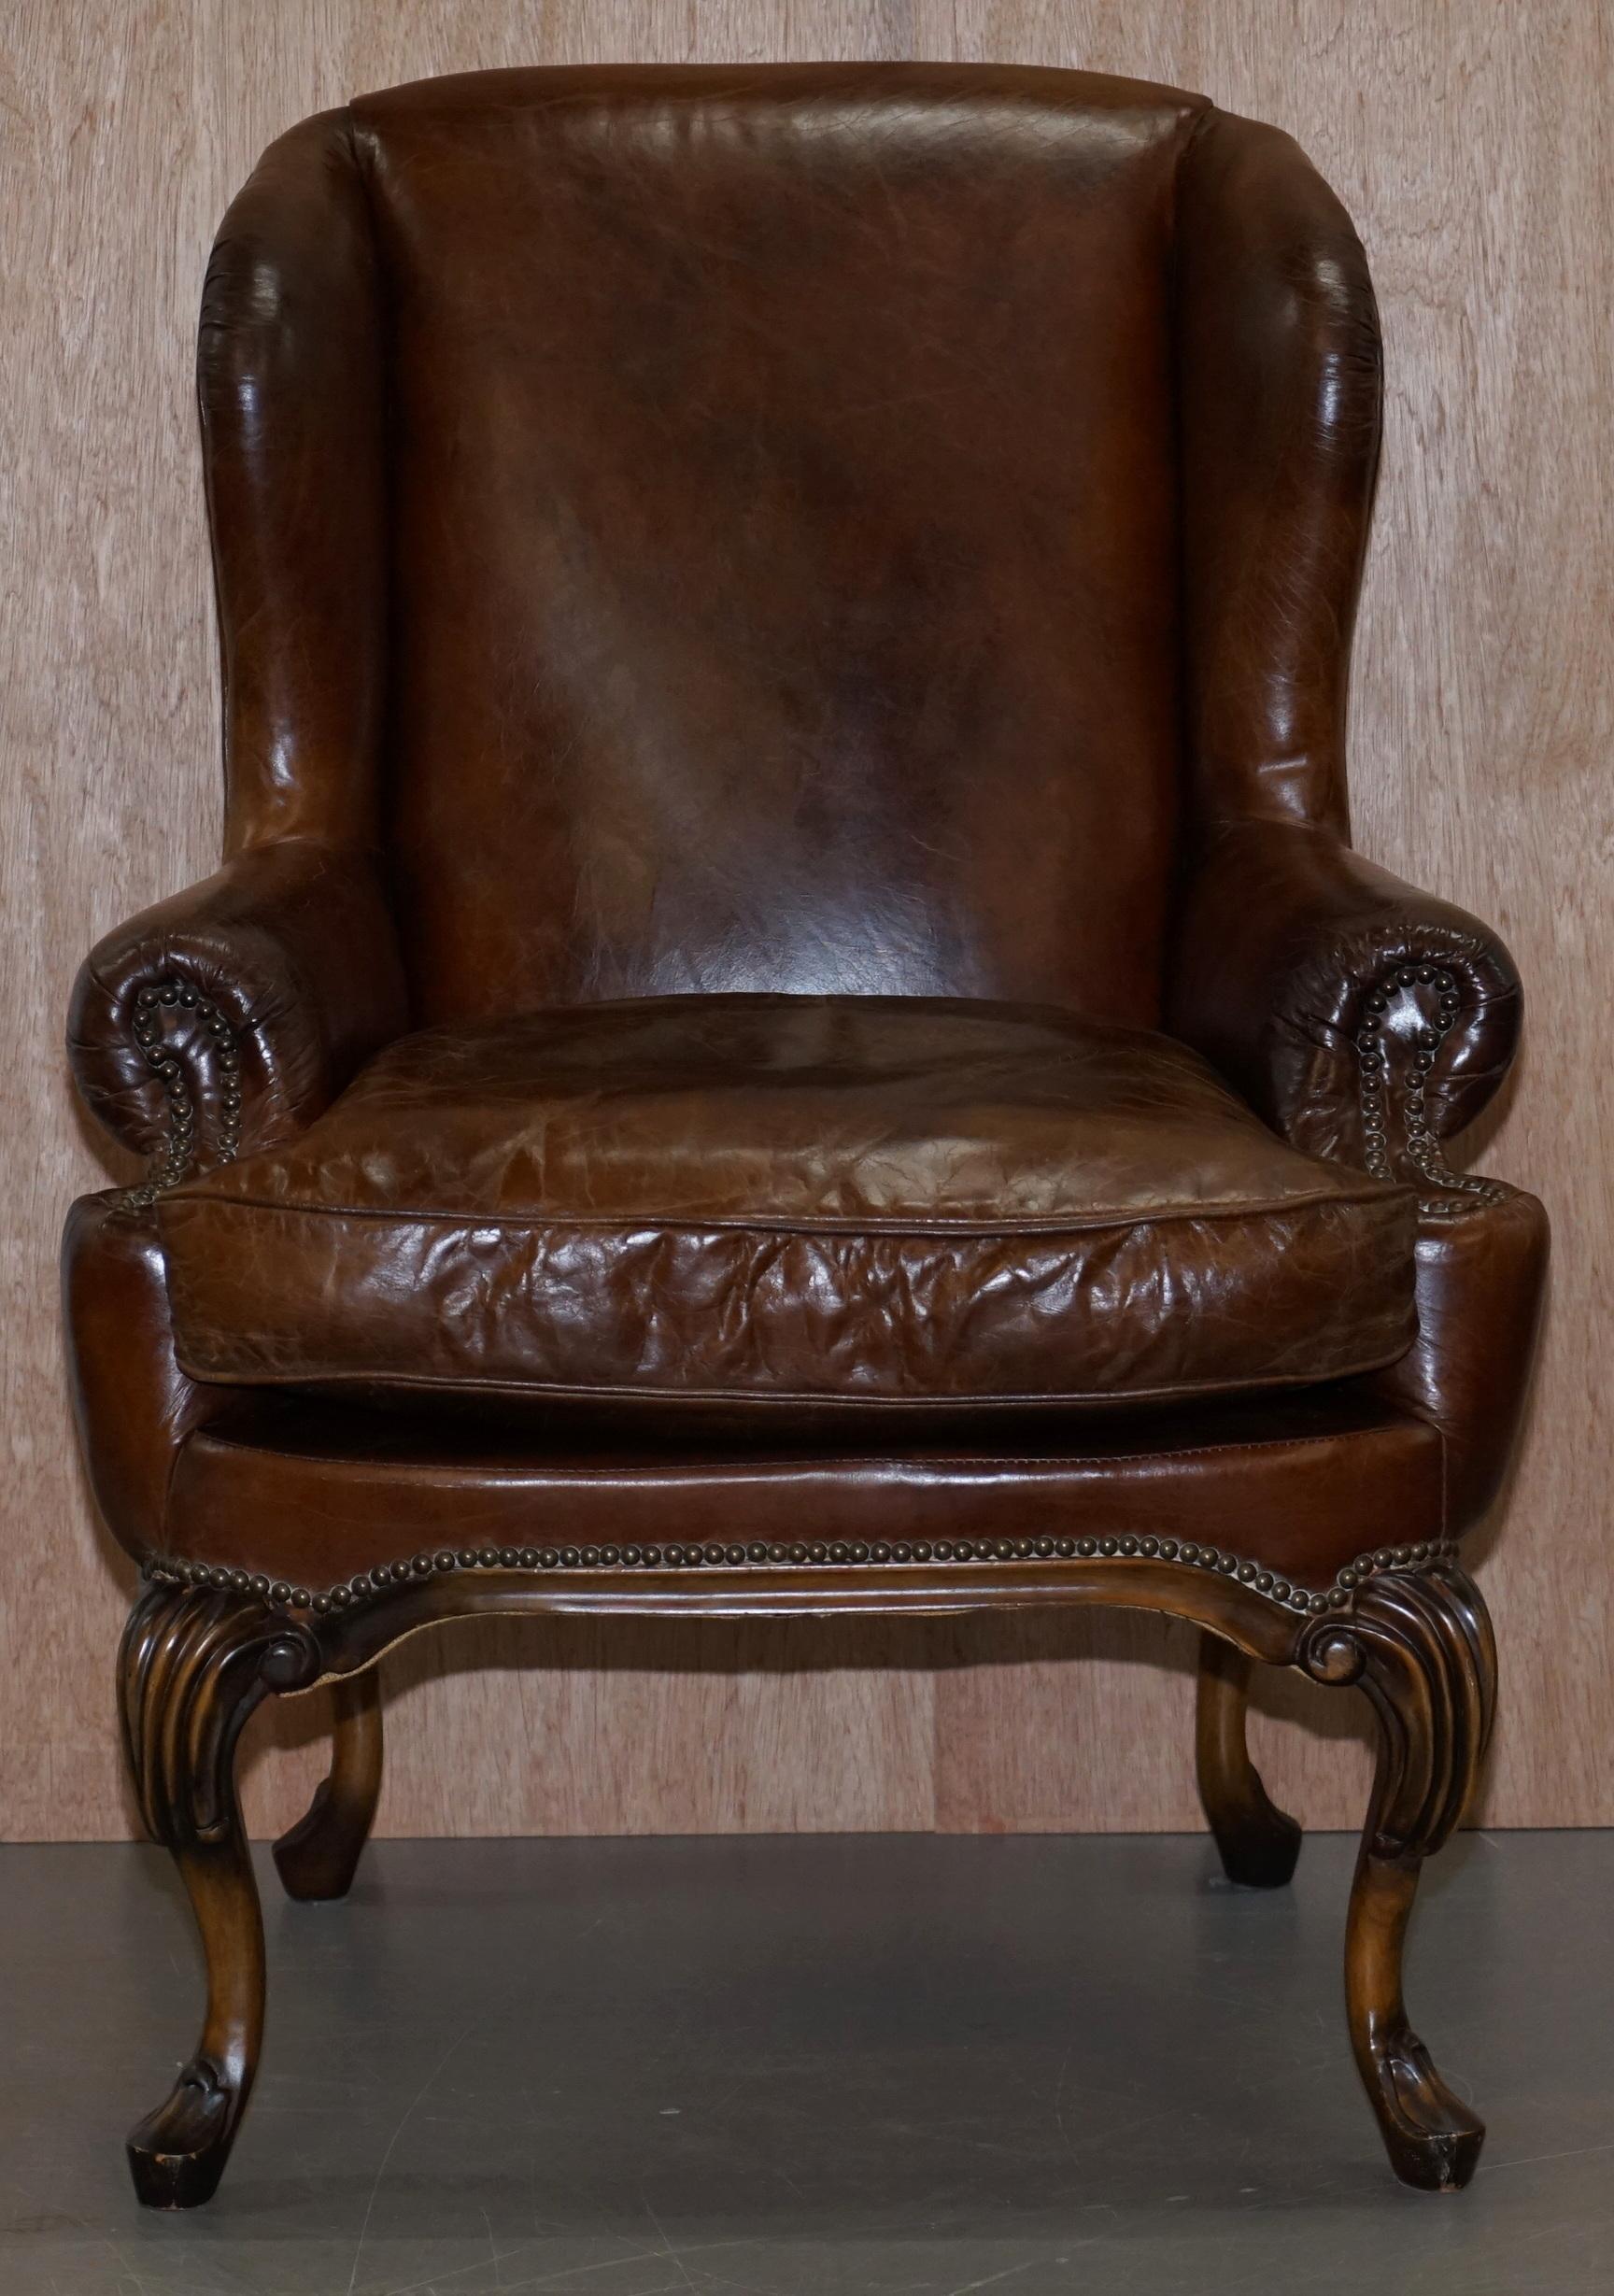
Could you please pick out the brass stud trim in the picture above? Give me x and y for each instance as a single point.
(811, 1554)
(178, 1155)
(1380, 1053)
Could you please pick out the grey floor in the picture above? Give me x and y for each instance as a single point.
(871, 2065)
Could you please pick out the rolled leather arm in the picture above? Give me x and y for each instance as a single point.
(1364, 1020)
(229, 1016)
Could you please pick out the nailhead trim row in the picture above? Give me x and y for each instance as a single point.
(370, 1586)
(177, 1155)
(179, 1152)
(1373, 1047)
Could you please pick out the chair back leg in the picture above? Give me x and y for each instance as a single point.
(317, 1856)
(1258, 1842)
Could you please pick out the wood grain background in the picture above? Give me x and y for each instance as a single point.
(1470, 140)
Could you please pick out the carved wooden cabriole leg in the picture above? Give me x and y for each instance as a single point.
(317, 1856)
(1258, 1842)
(195, 1664)
(207, 1644)
(1421, 1648)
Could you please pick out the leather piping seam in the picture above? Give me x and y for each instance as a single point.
(988, 1463)
(838, 1225)
(749, 1398)
(367, 1586)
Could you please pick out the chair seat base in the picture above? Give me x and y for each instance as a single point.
(1260, 1614)
(332, 1506)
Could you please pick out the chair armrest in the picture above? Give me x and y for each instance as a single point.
(1365, 1021)
(229, 1016)
(136, 1408)
(1480, 1274)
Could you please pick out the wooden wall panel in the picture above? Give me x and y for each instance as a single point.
(1470, 142)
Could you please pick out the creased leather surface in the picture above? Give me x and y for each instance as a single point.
(1482, 1274)
(133, 1404)
(1283, 930)
(1300, 1483)
(795, 527)
(290, 388)
(785, 523)
(294, 942)
(1280, 387)
(869, 1198)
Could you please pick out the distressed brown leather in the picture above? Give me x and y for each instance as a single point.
(318, 1496)
(134, 1405)
(1481, 1279)
(293, 942)
(1280, 389)
(866, 1198)
(1283, 930)
(291, 385)
(838, 532)
(807, 597)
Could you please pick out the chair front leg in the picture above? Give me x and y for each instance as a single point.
(317, 1856)
(194, 1662)
(1258, 1842)
(1423, 1650)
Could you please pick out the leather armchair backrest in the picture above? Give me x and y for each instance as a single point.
(726, 529)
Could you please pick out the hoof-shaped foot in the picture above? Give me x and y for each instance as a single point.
(316, 1857)
(177, 2153)
(1432, 2138)
(1261, 1851)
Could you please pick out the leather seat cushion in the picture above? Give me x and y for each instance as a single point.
(874, 1200)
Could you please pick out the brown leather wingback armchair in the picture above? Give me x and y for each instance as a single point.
(789, 1023)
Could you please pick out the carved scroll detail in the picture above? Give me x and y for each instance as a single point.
(195, 1665)
(1421, 1648)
